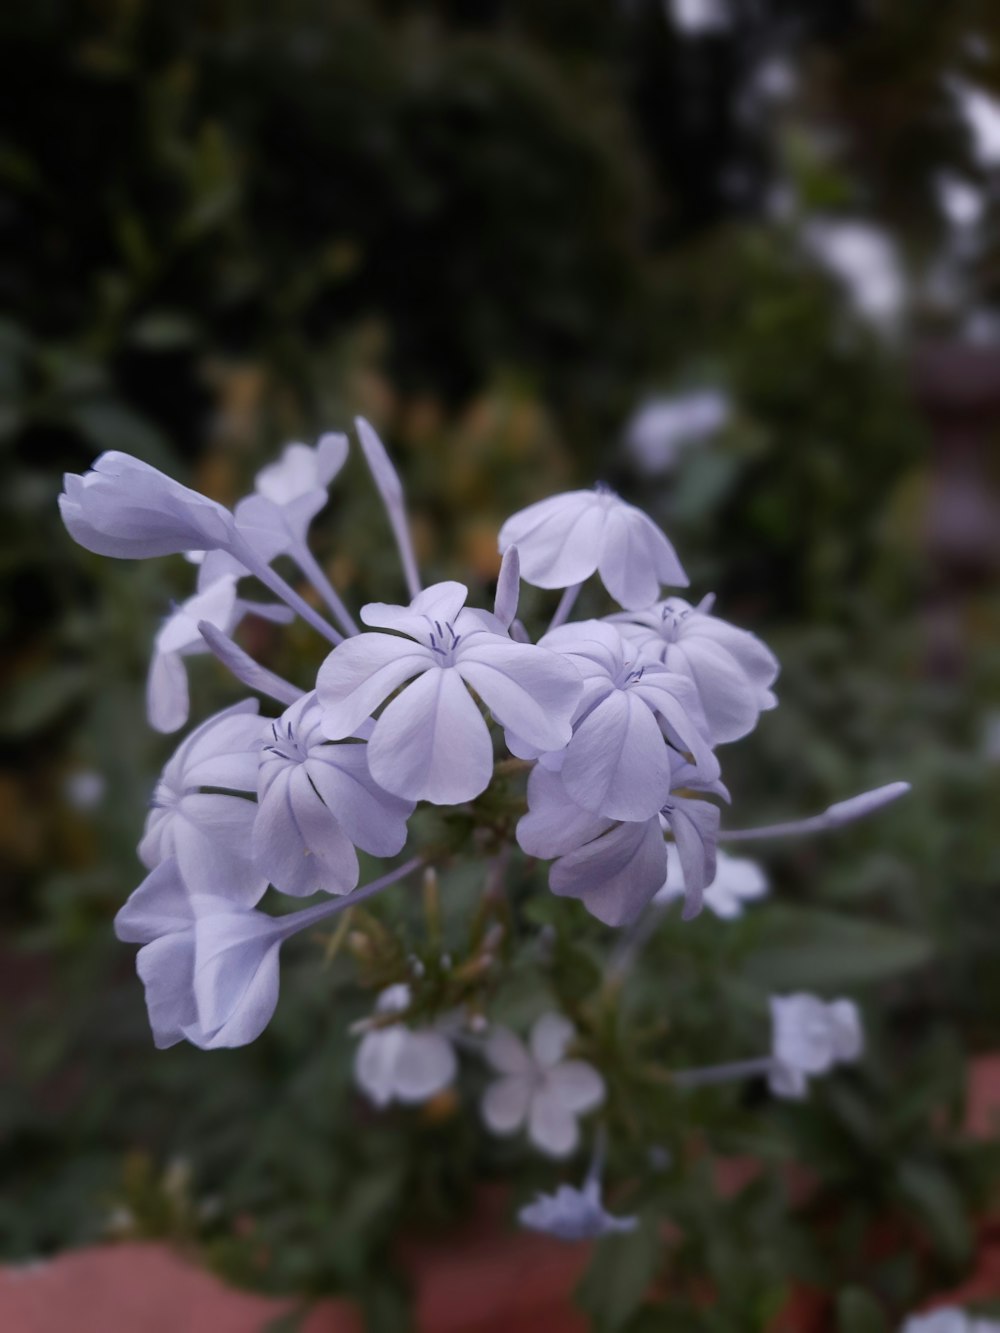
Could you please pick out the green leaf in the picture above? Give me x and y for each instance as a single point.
(619, 1276)
(859, 1312)
(821, 950)
(934, 1196)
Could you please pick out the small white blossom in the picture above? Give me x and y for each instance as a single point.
(809, 1037)
(539, 1086)
(565, 539)
(399, 1063)
(738, 880)
(949, 1319)
(574, 1214)
(661, 428)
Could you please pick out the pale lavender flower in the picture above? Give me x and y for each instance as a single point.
(565, 539)
(208, 964)
(661, 427)
(431, 742)
(731, 669)
(317, 802)
(167, 700)
(209, 832)
(949, 1319)
(618, 762)
(538, 1085)
(123, 507)
(616, 869)
(574, 1214)
(809, 1037)
(738, 880)
(400, 1063)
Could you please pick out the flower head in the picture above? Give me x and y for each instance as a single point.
(949, 1319)
(563, 540)
(209, 832)
(125, 508)
(618, 762)
(317, 802)
(209, 965)
(399, 1063)
(574, 1214)
(431, 742)
(809, 1037)
(730, 668)
(540, 1086)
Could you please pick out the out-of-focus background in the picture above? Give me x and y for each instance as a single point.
(738, 258)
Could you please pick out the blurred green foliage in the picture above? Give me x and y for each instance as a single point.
(494, 229)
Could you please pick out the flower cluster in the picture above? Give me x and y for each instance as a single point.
(617, 721)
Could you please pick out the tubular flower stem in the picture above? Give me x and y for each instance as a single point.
(263, 571)
(833, 817)
(313, 571)
(734, 1069)
(390, 489)
(311, 915)
(566, 603)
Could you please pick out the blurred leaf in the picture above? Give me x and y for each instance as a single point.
(35, 702)
(933, 1195)
(859, 1312)
(817, 950)
(619, 1276)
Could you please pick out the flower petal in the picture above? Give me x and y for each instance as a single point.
(616, 875)
(370, 816)
(165, 967)
(554, 824)
(552, 1127)
(375, 1063)
(431, 743)
(235, 974)
(577, 1085)
(297, 841)
(505, 1104)
(550, 1038)
(426, 1064)
(507, 1053)
(617, 763)
(160, 905)
(526, 688)
(167, 700)
(361, 673)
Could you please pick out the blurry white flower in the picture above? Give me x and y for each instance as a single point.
(809, 1037)
(696, 18)
(864, 260)
(574, 1214)
(660, 428)
(539, 1086)
(398, 1063)
(949, 1319)
(963, 204)
(738, 880)
(85, 789)
(981, 113)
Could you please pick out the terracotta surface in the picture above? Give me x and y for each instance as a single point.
(488, 1279)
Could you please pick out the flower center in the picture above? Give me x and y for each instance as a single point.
(671, 620)
(443, 641)
(285, 744)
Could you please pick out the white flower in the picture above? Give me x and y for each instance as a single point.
(738, 880)
(398, 1063)
(865, 261)
(539, 1086)
(618, 762)
(563, 540)
(660, 428)
(167, 701)
(730, 668)
(431, 742)
(209, 832)
(318, 801)
(290, 493)
(574, 1214)
(208, 964)
(809, 1037)
(948, 1319)
(127, 509)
